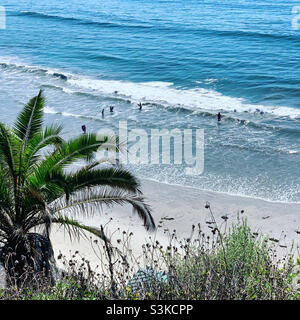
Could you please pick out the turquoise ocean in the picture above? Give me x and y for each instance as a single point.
(185, 60)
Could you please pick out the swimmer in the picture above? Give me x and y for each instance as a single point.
(83, 127)
(140, 106)
(111, 109)
(219, 117)
(102, 113)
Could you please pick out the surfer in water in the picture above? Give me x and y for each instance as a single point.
(219, 117)
(140, 106)
(111, 109)
(83, 127)
(102, 113)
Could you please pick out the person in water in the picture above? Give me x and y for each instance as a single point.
(83, 127)
(111, 109)
(219, 117)
(102, 113)
(140, 106)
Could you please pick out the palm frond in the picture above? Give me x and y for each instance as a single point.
(50, 136)
(89, 201)
(83, 147)
(112, 177)
(8, 150)
(80, 148)
(75, 228)
(6, 194)
(30, 120)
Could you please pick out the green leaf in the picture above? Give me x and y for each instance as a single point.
(30, 120)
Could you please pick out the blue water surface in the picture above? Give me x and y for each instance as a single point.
(186, 60)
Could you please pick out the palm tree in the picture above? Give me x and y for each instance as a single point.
(37, 191)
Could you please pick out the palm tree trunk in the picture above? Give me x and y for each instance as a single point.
(29, 262)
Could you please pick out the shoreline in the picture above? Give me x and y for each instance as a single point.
(178, 208)
(255, 210)
(219, 192)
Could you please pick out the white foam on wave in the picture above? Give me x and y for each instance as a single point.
(165, 93)
(51, 110)
(67, 90)
(16, 62)
(294, 151)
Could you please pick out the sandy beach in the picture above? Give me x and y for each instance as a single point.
(178, 208)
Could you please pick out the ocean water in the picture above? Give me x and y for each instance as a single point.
(186, 61)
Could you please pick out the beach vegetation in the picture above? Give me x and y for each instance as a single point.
(243, 266)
